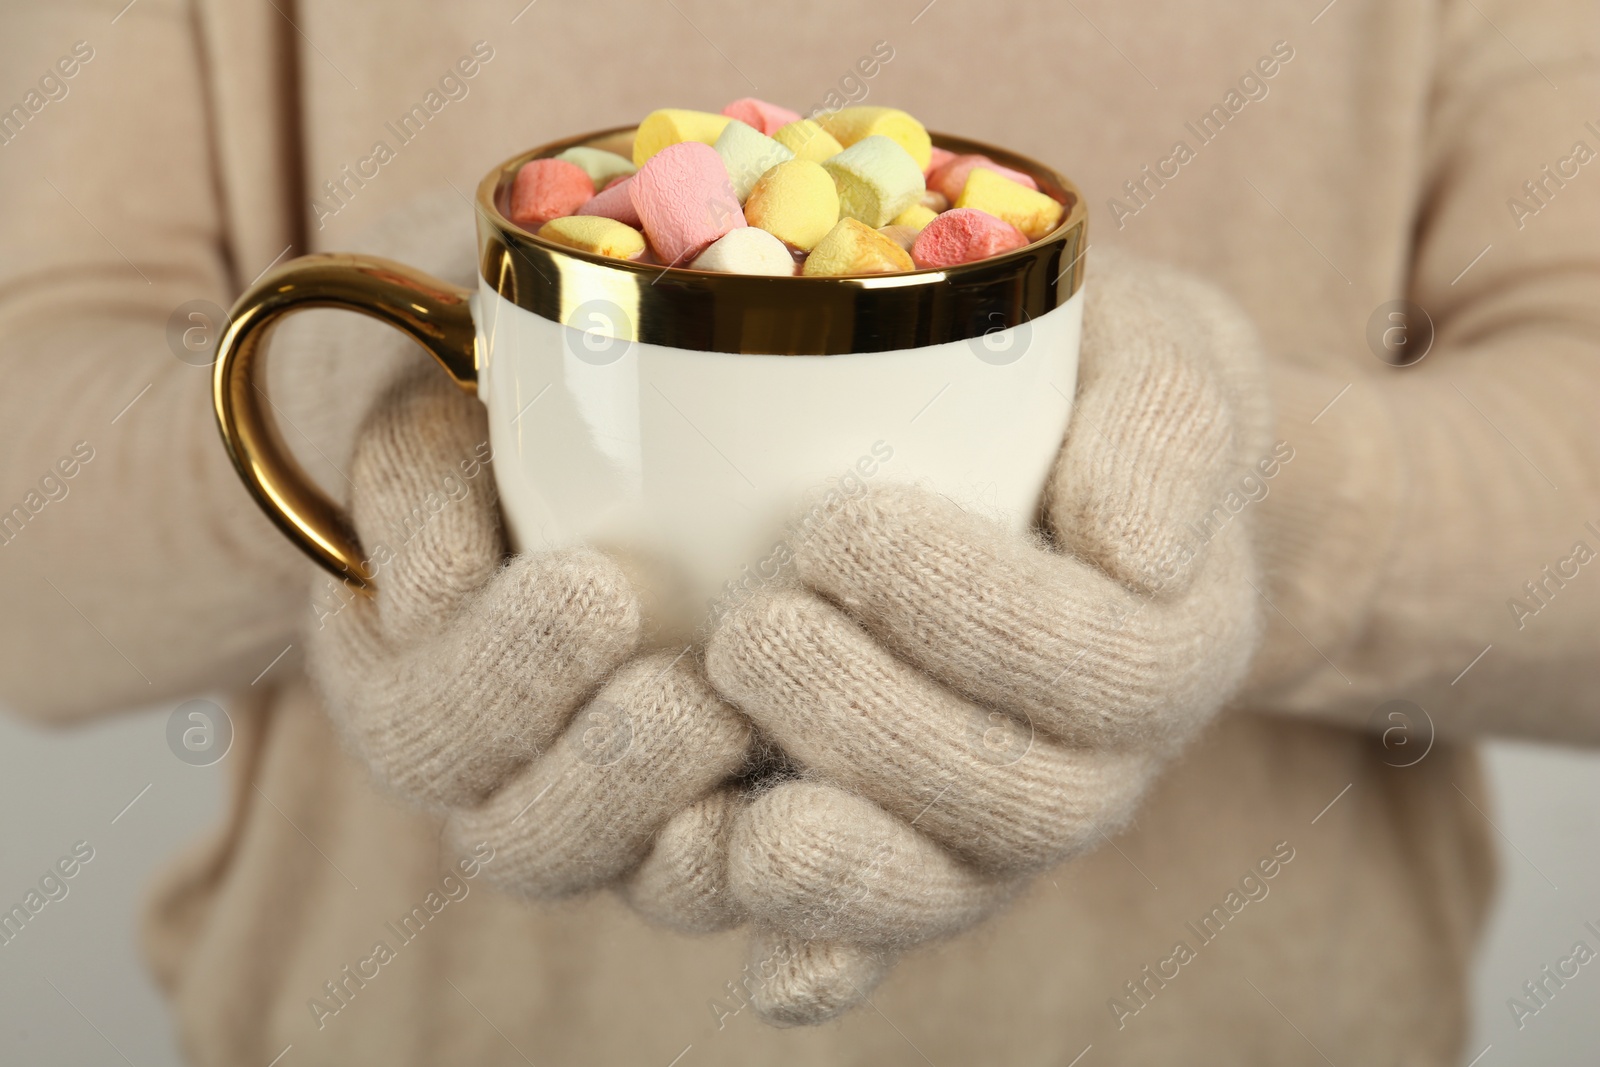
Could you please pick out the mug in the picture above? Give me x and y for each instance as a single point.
(681, 416)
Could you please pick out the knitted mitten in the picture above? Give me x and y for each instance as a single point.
(507, 693)
(968, 707)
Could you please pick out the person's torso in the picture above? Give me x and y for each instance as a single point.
(1292, 189)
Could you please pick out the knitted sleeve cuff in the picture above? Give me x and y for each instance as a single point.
(1326, 525)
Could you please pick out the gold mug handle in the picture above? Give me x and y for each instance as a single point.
(433, 313)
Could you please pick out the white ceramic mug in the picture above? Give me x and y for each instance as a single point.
(684, 416)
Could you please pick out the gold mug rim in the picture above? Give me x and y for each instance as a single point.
(680, 307)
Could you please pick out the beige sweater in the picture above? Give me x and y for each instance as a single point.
(1422, 543)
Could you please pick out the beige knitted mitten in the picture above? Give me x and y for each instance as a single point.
(507, 693)
(969, 707)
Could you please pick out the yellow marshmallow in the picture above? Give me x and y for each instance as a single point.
(795, 202)
(1034, 213)
(853, 247)
(808, 141)
(877, 180)
(594, 233)
(916, 217)
(674, 125)
(853, 124)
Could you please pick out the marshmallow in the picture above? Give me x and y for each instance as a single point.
(853, 247)
(808, 141)
(1030, 211)
(852, 124)
(601, 167)
(914, 218)
(592, 233)
(904, 236)
(795, 202)
(758, 189)
(748, 155)
(764, 117)
(547, 189)
(951, 178)
(747, 250)
(877, 180)
(684, 199)
(674, 126)
(614, 202)
(962, 235)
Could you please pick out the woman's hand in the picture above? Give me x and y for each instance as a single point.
(967, 707)
(509, 693)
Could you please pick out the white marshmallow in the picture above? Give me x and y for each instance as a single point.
(748, 154)
(747, 250)
(599, 165)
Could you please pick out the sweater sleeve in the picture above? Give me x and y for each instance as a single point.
(1437, 538)
(133, 566)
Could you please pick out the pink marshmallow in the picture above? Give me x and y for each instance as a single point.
(768, 118)
(685, 200)
(613, 202)
(940, 157)
(962, 235)
(952, 177)
(547, 189)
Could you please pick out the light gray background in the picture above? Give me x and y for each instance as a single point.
(60, 787)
